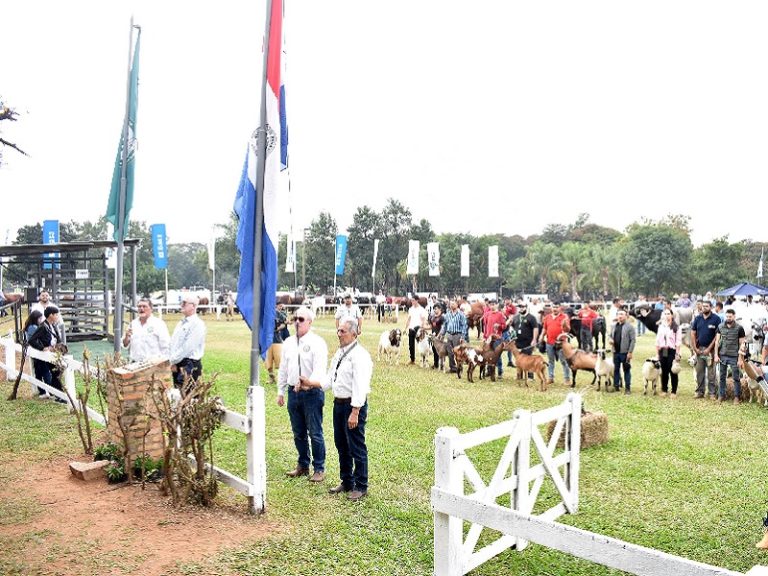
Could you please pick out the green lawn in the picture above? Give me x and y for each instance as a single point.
(685, 476)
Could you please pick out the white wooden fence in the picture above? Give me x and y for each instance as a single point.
(455, 554)
(252, 423)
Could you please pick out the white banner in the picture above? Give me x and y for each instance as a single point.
(212, 253)
(375, 255)
(465, 260)
(433, 258)
(290, 253)
(493, 261)
(413, 257)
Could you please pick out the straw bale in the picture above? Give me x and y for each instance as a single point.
(594, 430)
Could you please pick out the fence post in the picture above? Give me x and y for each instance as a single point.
(10, 358)
(69, 380)
(521, 496)
(449, 476)
(575, 448)
(256, 449)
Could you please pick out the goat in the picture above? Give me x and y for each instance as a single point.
(603, 369)
(651, 373)
(525, 363)
(389, 345)
(577, 358)
(489, 359)
(466, 354)
(423, 347)
(441, 347)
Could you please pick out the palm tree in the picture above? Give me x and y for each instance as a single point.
(544, 258)
(572, 264)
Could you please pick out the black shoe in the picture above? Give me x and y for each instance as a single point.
(627, 392)
(339, 489)
(510, 365)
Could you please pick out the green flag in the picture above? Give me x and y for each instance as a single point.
(113, 206)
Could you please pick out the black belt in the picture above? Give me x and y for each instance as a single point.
(342, 400)
(454, 333)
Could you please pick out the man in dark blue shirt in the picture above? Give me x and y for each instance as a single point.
(703, 332)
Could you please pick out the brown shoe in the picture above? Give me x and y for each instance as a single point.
(317, 477)
(298, 471)
(338, 489)
(356, 495)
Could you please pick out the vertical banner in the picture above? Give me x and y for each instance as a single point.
(493, 261)
(375, 255)
(433, 258)
(159, 246)
(413, 257)
(465, 260)
(50, 236)
(341, 254)
(759, 266)
(212, 253)
(290, 253)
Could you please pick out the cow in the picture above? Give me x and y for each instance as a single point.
(389, 345)
(475, 317)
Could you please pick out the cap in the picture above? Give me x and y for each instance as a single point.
(191, 298)
(50, 310)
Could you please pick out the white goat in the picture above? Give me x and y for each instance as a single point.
(603, 369)
(651, 373)
(423, 347)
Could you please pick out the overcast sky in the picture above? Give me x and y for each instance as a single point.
(482, 117)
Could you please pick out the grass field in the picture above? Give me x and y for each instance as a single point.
(681, 475)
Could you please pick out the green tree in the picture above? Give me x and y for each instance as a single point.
(545, 260)
(320, 254)
(394, 228)
(362, 233)
(571, 267)
(655, 256)
(719, 264)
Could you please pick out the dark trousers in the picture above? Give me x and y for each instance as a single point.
(187, 369)
(666, 360)
(305, 410)
(585, 338)
(412, 343)
(379, 311)
(350, 444)
(620, 361)
(48, 373)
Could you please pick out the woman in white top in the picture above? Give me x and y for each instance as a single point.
(668, 340)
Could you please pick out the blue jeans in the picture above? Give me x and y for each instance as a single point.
(306, 412)
(733, 362)
(351, 447)
(552, 352)
(620, 361)
(495, 344)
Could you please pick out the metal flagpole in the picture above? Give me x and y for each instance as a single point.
(118, 312)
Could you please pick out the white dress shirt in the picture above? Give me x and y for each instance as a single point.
(350, 375)
(149, 340)
(305, 356)
(188, 340)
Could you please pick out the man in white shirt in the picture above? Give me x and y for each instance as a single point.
(349, 375)
(300, 376)
(43, 301)
(187, 344)
(147, 336)
(349, 310)
(381, 301)
(417, 318)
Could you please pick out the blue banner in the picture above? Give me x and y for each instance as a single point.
(50, 236)
(159, 246)
(341, 254)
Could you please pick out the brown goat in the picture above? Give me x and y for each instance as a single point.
(529, 363)
(489, 359)
(466, 354)
(577, 358)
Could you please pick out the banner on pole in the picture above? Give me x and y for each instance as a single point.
(50, 236)
(212, 253)
(493, 261)
(290, 253)
(159, 246)
(465, 260)
(375, 255)
(341, 254)
(760, 266)
(413, 257)
(433, 258)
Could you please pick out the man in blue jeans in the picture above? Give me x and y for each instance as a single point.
(728, 341)
(623, 340)
(302, 371)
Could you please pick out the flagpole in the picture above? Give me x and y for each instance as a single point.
(118, 312)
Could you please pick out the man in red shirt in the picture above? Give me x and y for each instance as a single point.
(587, 315)
(494, 323)
(554, 324)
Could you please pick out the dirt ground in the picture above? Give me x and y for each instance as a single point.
(75, 528)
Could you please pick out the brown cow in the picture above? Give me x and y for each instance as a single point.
(203, 302)
(475, 318)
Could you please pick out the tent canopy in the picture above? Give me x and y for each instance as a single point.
(744, 289)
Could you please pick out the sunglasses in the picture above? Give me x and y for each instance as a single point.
(300, 320)
(341, 331)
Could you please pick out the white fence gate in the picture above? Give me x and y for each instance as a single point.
(252, 424)
(455, 555)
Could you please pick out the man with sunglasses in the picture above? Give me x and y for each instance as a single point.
(187, 344)
(147, 336)
(300, 377)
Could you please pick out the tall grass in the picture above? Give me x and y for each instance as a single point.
(682, 475)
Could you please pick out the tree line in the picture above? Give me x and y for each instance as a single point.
(580, 259)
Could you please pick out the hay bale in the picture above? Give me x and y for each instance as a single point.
(594, 430)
